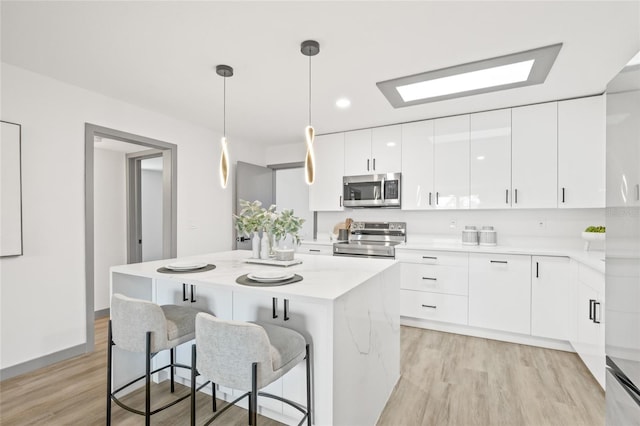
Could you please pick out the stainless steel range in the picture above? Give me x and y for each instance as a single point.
(372, 239)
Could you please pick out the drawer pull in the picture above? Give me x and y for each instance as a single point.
(591, 310)
(193, 295)
(315, 250)
(429, 278)
(430, 257)
(499, 261)
(184, 292)
(429, 306)
(595, 320)
(286, 309)
(274, 308)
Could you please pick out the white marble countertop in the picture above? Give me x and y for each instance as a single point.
(593, 259)
(325, 278)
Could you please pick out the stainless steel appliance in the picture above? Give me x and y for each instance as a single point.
(380, 190)
(372, 239)
(622, 284)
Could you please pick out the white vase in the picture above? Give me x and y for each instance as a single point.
(255, 245)
(265, 247)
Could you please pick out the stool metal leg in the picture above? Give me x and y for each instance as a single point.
(193, 385)
(172, 370)
(308, 388)
(253, 406)
(109, 360)
(147, 394)
(214, 406)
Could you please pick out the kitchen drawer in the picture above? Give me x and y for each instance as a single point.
(591, 277)
(435, 278)
(449, 258)
(316, 249)
(433, 306)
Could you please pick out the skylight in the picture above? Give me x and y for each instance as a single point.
(488, 75)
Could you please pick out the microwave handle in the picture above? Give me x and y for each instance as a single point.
(381, 187)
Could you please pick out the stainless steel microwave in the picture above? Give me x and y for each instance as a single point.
(380, 190)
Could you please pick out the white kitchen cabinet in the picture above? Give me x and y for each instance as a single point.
(534, 156)
(370, 151)
(326, 192)
(310, 319)
(417, 166)
(552, 304)
(500, 292)
(581, 152)
(490, 160)
(451, 164)
(315, 248)
(590, 341)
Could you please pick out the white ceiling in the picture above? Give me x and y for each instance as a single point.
(162, 55)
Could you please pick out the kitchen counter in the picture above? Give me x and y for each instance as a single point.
(348, 309)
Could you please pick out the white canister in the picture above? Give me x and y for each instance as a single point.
(488, 236)
(470, 236)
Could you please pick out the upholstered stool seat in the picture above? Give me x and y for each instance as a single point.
(142, 326)
(247, 356)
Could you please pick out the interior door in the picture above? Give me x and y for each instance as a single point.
(253, 182)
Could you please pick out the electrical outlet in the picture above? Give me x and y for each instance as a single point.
(542, 223)
(452, 224)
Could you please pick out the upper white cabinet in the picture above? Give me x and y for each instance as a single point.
(581, 152)
(417, 165)
(326, 192)
(451, 164)
(534, 156)
(371, 151)
(490, 159)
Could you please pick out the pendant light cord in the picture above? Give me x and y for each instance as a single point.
(224, 107)
(309, 90)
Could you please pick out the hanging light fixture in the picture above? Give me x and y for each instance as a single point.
(224, 71)
(309, 48)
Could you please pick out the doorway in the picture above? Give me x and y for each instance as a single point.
(144, 175)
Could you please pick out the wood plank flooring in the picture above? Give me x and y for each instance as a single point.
(447, 379)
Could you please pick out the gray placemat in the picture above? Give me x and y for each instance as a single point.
(164, 270)
(244, 280)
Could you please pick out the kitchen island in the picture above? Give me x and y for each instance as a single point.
(347, 309)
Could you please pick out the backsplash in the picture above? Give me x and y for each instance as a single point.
(546, 227)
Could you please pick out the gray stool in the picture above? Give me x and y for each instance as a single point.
(247, 357)
(142, 326)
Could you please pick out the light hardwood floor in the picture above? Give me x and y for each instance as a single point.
(447, 379)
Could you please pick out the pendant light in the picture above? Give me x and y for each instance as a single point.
(224, 71)
(309, 48)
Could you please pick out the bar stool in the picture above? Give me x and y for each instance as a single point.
(247, 357)
(142, 326)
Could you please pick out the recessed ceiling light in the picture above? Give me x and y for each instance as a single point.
(480, 157)
(500, 73)
(391, 144)
(343, 103)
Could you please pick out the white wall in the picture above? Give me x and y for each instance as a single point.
(43, 292)
(110, 220)
(283, 154)
(561, 227)
(292, 192)
(151, 188)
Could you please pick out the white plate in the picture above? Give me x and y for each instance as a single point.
(185, 266)
(270, 276)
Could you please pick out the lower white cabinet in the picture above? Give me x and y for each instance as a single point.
(434, 306)
(590, 341)
(500, 292)
(311, 248)
(552, 306)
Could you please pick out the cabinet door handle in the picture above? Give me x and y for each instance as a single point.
(506, 196)
(595, 320)
(437, 198)
(315, 250)
(367, 164)
(429, 306)
(274, 307)
(563, 195)
(591, 310)
(286, 309)
(430, 257)
(374, 164)
(537, 270)
(499, 261)
(637, 191)
(429, 278)
(515, 195)
(184, 292)
(193, 294)
(341, 201)
(429, 198)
